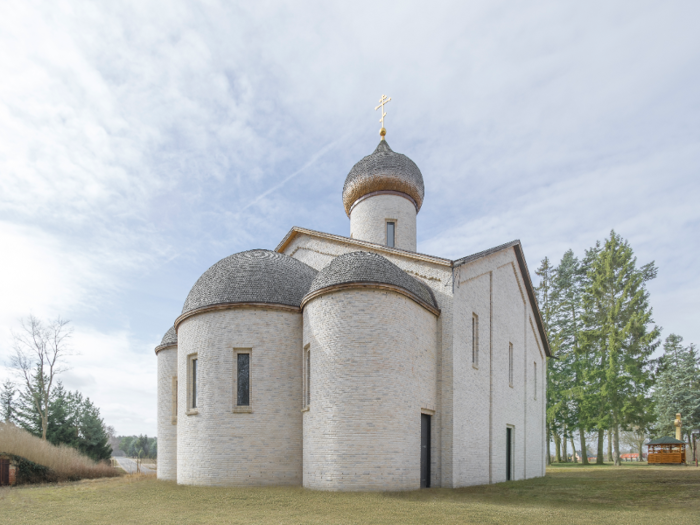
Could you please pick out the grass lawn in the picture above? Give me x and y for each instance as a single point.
(568, 494)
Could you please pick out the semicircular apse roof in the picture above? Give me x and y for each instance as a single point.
(254, 276)
(366, 267)
(169, 339)
(383, 170)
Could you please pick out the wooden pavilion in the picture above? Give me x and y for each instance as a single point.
(666, 450)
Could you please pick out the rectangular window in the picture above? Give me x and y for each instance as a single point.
(243, 381)
(307, 377)
(390, 234)
(192, 386)
(475, 340)
(173, 416)
(243, 397)
(535, 380)
(510, 364)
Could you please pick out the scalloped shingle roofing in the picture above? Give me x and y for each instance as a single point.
(254, 276)
(366, 267)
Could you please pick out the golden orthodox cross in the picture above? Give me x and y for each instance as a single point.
(382, 101)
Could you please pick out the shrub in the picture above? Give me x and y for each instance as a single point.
(40, 461)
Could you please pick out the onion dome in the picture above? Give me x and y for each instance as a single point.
(255, 276)
(363, 268)
(383, 170)
(169, 339)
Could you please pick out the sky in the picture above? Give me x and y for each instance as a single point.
(141, 142)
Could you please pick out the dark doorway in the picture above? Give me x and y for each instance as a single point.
(509, 451)
(4, 471)
(424, 451)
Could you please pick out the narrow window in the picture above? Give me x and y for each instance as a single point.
(475, 340)
(173, 416)
(243, 394)
(535, 380)
(390, 234)
(194, 383)
(307, 377)
(510, 364)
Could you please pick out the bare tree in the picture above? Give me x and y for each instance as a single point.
(39, 351)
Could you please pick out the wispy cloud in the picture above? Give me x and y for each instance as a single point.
(141, 142)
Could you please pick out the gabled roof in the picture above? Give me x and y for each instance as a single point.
(515, 245)
(666, 440)
(296, 230)
(520, 256)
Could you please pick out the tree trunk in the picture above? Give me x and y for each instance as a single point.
(617, 445)
(610, 456)
(549, 451)
(584, 451)
(573, 450)
(557, 444)
(640, 444)
(601, 436)
(564, 451)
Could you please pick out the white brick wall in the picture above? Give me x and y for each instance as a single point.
(493, 289)
(368, 220)
(217, 446)
(364, 341)
(167, 432)
(373, 368)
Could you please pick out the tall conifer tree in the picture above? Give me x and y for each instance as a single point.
(619, 330)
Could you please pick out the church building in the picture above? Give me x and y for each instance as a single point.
(357, 363)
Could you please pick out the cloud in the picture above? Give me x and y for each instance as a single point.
(141, 142)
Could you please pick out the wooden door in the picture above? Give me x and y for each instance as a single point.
(509, 451)
(424, 451)
(4, 471)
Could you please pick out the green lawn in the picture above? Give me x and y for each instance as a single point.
(568, 494)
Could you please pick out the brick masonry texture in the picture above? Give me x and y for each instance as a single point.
(474, 406)
(217, 446)
(167, 431)
(377, 360)
(373, 368)
(368, 220)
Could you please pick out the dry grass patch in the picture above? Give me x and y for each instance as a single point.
(65, 463)
(600, 495)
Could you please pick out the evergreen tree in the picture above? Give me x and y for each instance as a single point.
(7, 401)
(542, 292)
(619, 330)
(93, 438)
(677, 388)
(566, 327)
(64, 408)
(27, 414)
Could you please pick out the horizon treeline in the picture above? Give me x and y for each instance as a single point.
(602, 381)
(73, 420)
(139, 446)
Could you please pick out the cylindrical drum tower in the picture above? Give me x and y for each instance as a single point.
(167, 406)
(382, 196)
(370, 336)
(239, 360)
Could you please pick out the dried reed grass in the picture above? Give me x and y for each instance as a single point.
(66, 462)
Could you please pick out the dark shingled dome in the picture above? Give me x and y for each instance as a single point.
(364, 267)
(383, 170)
(255, 276)
(170, 337)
